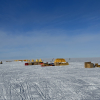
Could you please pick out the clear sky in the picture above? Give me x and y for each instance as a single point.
(49, 29)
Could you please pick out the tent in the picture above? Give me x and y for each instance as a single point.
(32, 60)
(40, 60)
(37, 60)
(60, 62)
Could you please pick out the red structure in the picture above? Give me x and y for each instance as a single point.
(26, 63)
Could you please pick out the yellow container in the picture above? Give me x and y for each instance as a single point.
(85, 64)
(88, 65)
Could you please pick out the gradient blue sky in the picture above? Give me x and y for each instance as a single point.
(49, 29)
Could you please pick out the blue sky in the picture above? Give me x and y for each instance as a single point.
(49, 29)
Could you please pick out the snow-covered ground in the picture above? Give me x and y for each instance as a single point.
(71, 82)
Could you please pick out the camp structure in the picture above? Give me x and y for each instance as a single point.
(25, 60)
(16, 60)
(47, 64)
(28, 60)
(88, 65)
(96, 65)
(29, 63)
(37, 62)
(40, 61)
(44, 64)
(20, 60)
(1, 62)
(60, 62)
(26, 64)
(8, 61)
(32, 60)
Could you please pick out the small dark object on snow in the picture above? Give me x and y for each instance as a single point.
(1, 62)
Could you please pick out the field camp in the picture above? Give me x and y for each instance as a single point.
(57, 62)
(50, 79)
(49, 50)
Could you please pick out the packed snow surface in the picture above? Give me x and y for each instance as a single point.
(33, 82)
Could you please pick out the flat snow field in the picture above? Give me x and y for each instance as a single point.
(33, 82)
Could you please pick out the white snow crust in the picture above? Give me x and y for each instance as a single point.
(33, 82)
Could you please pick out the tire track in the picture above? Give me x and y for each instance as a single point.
(53, 91)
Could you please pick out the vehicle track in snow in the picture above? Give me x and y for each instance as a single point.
(28, 83)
